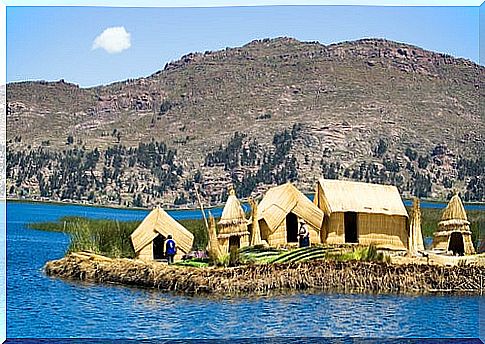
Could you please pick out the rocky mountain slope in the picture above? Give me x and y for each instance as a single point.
(358, 110)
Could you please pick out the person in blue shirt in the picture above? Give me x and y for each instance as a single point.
(170, 248)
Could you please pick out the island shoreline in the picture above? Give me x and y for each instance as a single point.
(267, 279)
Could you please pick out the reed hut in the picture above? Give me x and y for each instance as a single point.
(280, 211)
(416, 243)
(149, 237)
(362, 213)
(233, 226)
(454, 230)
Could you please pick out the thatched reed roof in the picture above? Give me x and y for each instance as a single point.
(454, 213)
(342, 196)
(233, 219)
(279, 201)
(159, 222)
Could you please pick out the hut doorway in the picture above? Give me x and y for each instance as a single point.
(158, 247)
(291, 228)
(456, 244)
(350, 227)
(234, 242)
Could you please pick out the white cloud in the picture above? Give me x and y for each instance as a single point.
(114, 40)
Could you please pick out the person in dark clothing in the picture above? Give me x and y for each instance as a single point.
(170, 249)
(304, 235)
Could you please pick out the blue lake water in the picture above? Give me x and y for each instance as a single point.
(40, 306)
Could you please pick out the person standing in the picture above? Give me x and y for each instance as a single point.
(306, 239)
(170, 249)
(304, 235)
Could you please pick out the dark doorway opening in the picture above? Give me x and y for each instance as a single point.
(158, 247)
(291, 228)
(350, 226)
(456, 244)
(234, 243)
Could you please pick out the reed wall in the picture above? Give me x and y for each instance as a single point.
(384, 231)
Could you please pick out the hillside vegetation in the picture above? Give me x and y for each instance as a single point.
(271, 111)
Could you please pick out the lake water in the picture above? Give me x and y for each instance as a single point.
(40, 306)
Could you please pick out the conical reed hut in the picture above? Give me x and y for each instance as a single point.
(454, 233)
(213, 247)
(233, 226)
(416, 243)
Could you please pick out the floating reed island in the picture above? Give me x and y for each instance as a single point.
(362, 240)
(262, 279)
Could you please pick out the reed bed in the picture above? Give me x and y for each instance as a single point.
(329, 275)
(110, 238)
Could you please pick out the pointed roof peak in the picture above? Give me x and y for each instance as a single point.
(233, 213)
(454, 210)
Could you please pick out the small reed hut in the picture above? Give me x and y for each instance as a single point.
(280, 211)
(362, 213)
(149, 237)
(454, 230)
(233, 226)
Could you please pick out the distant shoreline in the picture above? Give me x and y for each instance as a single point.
(118, 207)
(21, 200)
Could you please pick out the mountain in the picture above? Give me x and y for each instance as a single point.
(270, 111)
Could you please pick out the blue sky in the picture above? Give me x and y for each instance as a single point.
(52, 43)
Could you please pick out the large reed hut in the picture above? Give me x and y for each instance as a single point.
(454, 230)
(233, 226)
(280, 211)
(362, 213)
(149, 237)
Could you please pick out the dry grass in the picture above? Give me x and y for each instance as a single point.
(340, 276)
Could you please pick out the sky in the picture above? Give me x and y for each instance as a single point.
(98, 45)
